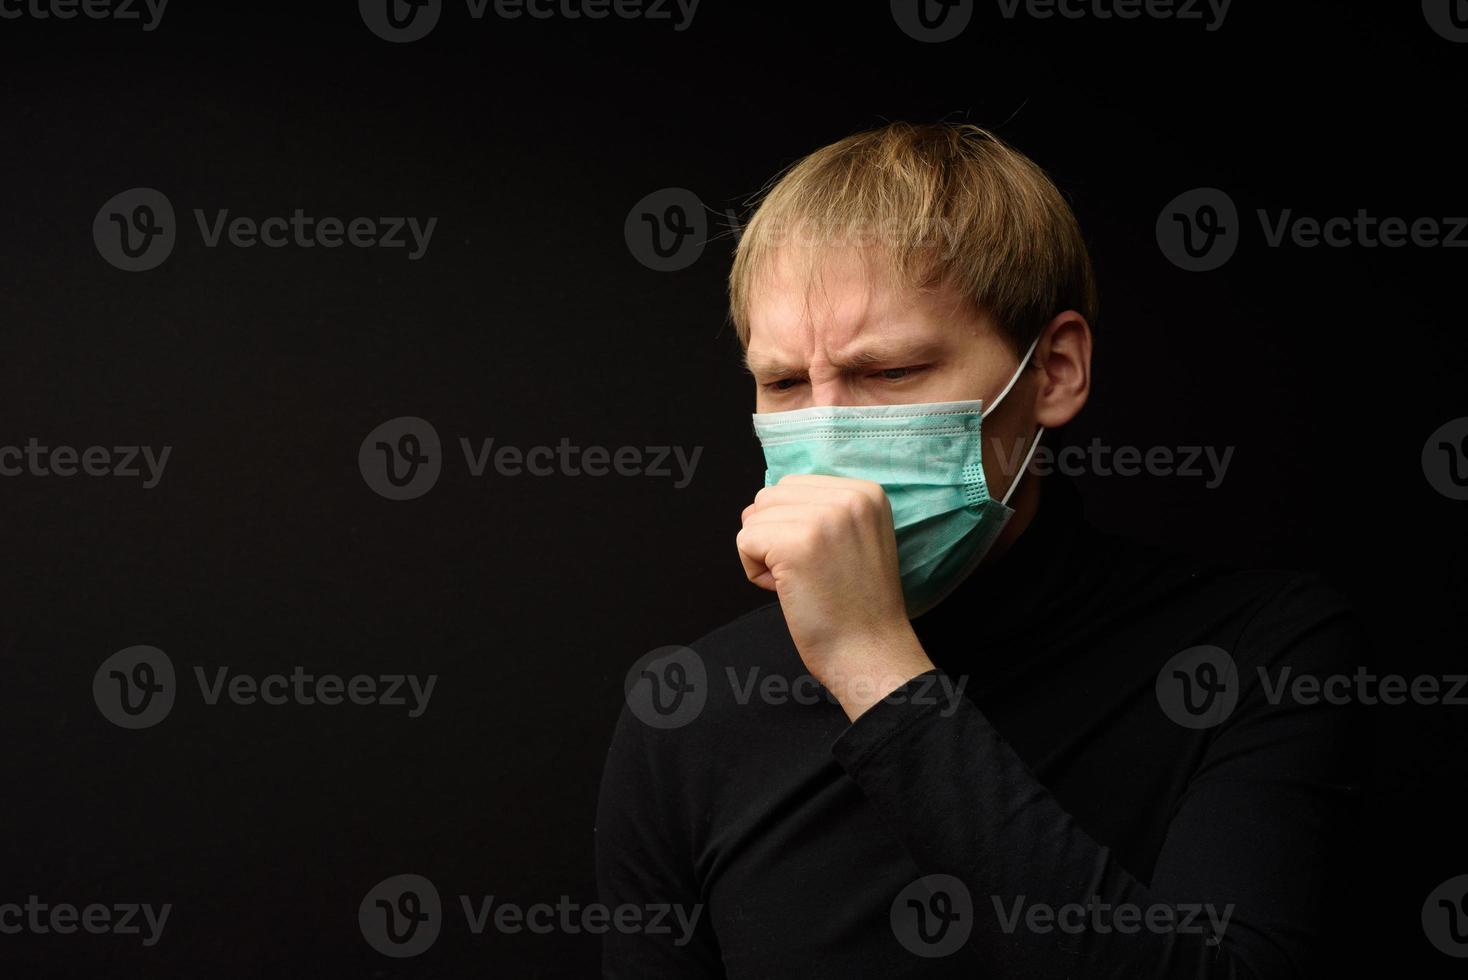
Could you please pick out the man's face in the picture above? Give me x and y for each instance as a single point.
(863, 341)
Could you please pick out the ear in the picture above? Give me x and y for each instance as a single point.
(1063, 356)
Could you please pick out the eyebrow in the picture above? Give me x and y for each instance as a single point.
(906, 352)
(768, 367)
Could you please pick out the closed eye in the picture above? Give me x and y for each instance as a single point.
(897, 373)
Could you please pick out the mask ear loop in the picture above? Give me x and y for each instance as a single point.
(1014, 378)
(1039, 429)
(1024, 467)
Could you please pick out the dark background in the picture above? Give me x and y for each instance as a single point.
(529, 319)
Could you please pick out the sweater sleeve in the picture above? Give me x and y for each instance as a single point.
(643, 861)
(1245, 866)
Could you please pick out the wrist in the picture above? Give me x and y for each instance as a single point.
(874, 666)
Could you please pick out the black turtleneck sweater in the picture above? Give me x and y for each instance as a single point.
(1083, 787)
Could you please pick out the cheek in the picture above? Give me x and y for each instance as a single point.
(765, 401)
(1005, 443)
(950, 383)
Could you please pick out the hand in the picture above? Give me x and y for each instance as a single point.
(825, 546)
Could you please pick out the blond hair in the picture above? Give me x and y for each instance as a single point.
(934, 202)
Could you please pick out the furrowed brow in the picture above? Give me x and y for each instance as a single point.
(891, 354)
(763, 367)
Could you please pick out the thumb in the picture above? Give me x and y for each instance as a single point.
(752, 549)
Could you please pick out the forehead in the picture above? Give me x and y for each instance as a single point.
(831, 298)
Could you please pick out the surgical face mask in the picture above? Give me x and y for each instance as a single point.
(928, 457)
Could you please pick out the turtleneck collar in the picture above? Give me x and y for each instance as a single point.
(1013, 589)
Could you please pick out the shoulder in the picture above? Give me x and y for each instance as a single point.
(1262, 601)
(760, 636)
(1264, 618)
(690, 693)
(1299, 623)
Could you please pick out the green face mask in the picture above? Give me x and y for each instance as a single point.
(928, 457)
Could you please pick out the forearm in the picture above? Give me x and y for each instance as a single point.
(1046, 897)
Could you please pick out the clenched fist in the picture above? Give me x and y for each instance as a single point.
(825, 546)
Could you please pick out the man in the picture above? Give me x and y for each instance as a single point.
(1036, 750)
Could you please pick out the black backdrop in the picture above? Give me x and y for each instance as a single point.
(530, 319)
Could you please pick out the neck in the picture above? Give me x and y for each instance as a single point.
(1026, 504)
